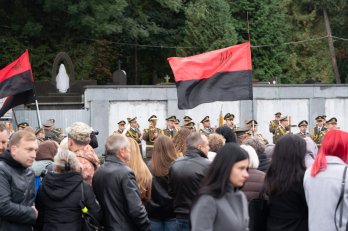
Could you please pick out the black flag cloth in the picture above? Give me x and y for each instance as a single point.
(16, 83)
(219, 75)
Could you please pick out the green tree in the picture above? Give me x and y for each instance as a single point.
(267, 26)
(208, 26)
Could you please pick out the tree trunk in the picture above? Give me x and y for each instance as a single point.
(331, 47)
(136, 79)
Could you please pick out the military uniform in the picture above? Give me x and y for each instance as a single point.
(134, 132)
(120, 131)
(206, 130)
(332, 123)
(273, 124)
(280, 131)
(22, 125)
(150, 135)
(170, 132)
(252, 132)
(52, 133)
(187, 119)
(318, 133)
(303, 134)
(229, 116)
(191, 126)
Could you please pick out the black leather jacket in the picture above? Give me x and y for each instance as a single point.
(185, 176)
(160, 206)
(17, 195)
(116, 189)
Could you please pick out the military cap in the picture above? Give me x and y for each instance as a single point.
(333, 120)
(122, 122)
(23, 125)
(278, 113)
(205, 119)
(190, 125)
(177, 121)
(284, 118)
(303, 123)
(242, 130)
(319, 118)
(187, 118)
(153, 117)
(249, 122)
(324, 116)
(171, 118)
(229, 116)
(49, 123)
(131, 119)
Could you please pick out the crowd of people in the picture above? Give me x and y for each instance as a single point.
(192, 180)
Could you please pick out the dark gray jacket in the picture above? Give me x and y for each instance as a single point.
(116, 190)
(229, 212)
(17, 195)
(185, 176)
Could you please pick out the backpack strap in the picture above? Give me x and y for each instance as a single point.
(340, 199)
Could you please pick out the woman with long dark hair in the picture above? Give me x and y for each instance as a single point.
(160, 207)
(221, 205)
(284, 185)
(325, 184)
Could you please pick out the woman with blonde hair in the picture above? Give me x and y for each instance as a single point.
(141, 171)
(59, 197)
(179, 141)
(160, 207)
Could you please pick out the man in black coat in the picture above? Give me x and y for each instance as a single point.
(17, 183)
(116, 189)
(185, 176)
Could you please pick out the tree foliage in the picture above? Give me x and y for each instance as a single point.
(287, 36)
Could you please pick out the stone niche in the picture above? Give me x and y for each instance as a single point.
(47, 93)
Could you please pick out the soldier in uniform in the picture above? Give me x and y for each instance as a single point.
(191, 126)
(170, 130)
(319, 130)
(177, 124)
(282, 129)
(150, 134)
(22, 125)
(206, 130)
(331, 123)
(273, 124)
(134, 131)
(303, 129)
(51, 133)
(187, 119)
(229, 121)
(121, 127)
(253, 131)
(243, 133)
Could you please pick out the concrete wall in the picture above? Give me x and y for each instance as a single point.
(301, 102)
(106, 105)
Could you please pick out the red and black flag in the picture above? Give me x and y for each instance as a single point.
(219, 75)
(16, 83)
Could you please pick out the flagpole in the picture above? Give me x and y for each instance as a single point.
(37, 106)
(38, 113)
(15, 117)
(252, 101)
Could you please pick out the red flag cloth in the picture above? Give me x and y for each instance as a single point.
(16, 83)
(220, 75)
(16, 77)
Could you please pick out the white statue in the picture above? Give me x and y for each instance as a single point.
(62, 79)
